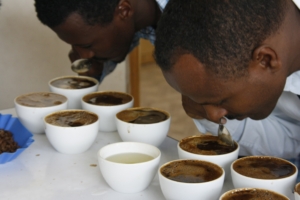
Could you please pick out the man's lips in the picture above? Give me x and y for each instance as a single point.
(231, 117)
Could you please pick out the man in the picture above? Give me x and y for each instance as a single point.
(236, 62)
(101, 30)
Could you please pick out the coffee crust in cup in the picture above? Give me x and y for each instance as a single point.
(206, 145)
(41, 99)
(71, 118)
(142, 115)
(191, 171)
(253, 193)
(264, 167)
(107, 98)
(72, 83)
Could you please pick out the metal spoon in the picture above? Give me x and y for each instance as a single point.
(225, 136)
(81, 65)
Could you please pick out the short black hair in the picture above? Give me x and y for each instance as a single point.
(221, 34)
(54, 12)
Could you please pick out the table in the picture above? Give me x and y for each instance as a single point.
(41, 172)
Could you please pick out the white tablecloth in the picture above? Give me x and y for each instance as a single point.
(41, 172)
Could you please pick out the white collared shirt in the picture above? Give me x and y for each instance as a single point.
(297, 2)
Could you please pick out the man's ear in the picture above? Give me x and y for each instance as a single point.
(266, 58)
(124, 9)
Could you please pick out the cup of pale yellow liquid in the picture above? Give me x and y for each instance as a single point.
(128, 167)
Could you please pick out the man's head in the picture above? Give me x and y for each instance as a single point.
(102, 29)
(223, 54)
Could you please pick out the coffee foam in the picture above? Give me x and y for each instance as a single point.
(191, 171)
(264, 167)
(205, 145)
(252, 193)
(41, 99)
(71, 118)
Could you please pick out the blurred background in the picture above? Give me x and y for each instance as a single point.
(31, 54)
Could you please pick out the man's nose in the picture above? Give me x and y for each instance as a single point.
(83, 53)
(215, 113)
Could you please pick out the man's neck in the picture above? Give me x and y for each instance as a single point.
(147, 13)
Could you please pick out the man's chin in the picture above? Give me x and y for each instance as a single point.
(119, 60)
(260, 116)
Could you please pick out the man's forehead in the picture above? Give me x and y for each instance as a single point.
(74, 30)
(190, 77)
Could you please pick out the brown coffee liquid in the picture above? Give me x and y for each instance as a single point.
(264, 167)
(73, 83)
(297, 189)
(107, 98)
(142, 116)
(191, 171)
(206, 145)
(42, 99)
(253, 194)
(71, 118)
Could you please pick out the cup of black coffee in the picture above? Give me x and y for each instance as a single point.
(74, 88)
(71, 131)
(252, 194)
(209, 148)
(106, 105)
(266, 172)
(33, 107)
(191, 179)
(142, 124)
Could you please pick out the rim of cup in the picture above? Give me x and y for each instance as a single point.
(150, 108)
(74, 76)
(251, 189)
(42, 107)
(184, 183)
(270, 157)
(70, 110)
(203, 155)
(108, 91)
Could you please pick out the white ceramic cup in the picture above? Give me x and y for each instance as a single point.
(252, 193)
(176, 190)
(297, 194)
(74, 95)
(282, 185)
(154, 133)
(223, 160)
(72, 139)
(128, 178)
(32, 117)
(107, 113)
